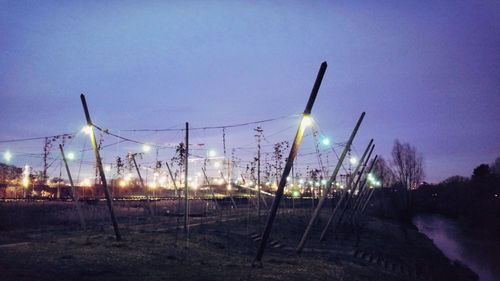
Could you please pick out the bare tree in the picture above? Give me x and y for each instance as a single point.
(383, 172)
(495, 167)
(408, 164)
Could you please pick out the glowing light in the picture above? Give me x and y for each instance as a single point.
(194, 185)
(306, 121)
(71, 156)
(7, 156)
(152, 185)
(87, 130)
(107, 168)
(323, 182)
(163, 180)
(123, 183)
(85, 182)
(212, 153)
(26, 174)
(228, 187)
(353, 160)
(217, 164)
(128, 177)
(146, 147)
(325, 141)
(295, 193)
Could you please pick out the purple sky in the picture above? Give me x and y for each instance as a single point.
(425, 72)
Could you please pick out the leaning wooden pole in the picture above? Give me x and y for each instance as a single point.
(101, 170)
(303, 240)
(289, 162)
(353, 190)
(150, 207)
(186, 198)
(73, 189)
(363, 191)
(332, 215)
(367, 200)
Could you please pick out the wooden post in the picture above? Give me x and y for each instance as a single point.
(289, 162)
(302, 242)
(75, 194)
(101, 170)
(186, 198)
(151, 211)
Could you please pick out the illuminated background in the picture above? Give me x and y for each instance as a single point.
(425, 72)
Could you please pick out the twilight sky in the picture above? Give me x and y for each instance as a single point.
(425, 72)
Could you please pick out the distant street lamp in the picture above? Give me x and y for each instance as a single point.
(7, 156)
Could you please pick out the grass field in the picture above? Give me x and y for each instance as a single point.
(219, 247)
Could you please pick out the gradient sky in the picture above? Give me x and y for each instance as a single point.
(425, 72)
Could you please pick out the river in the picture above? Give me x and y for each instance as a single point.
(478, 250)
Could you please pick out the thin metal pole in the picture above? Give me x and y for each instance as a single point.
(186, 198)
(101, 170)
(151, 211)
(302, 242)
(288, 166)
(75, 194)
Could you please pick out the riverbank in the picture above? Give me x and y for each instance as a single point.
(478, 248)
(223, 249)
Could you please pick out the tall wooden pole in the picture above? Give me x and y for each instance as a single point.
(259, 135)
(186, 198)
(289, 162)
(75, 194)
(151, 211)
(101, 170)
(302, 242)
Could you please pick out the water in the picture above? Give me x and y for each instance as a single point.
(474, 248)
